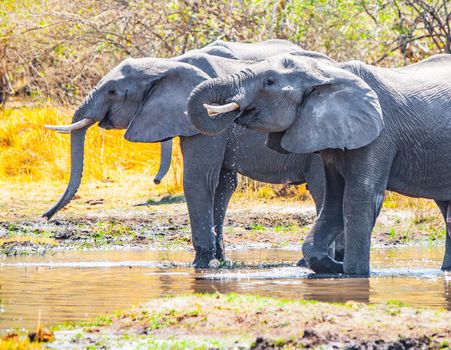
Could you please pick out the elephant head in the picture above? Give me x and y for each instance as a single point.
(147, 97)
(305, 104)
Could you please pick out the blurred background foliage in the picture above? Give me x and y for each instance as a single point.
(59, 49)
(52, 52)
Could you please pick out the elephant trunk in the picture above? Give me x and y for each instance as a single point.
(214, 91)
(77, 141)
(165, 160)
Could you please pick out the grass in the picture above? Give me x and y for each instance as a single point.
(202, 321)
(28, 239)
(31, 154)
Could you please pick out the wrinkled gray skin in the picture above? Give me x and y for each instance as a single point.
(375, 128)
(148, 98)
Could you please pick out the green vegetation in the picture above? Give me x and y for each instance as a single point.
(74, 43)
(54, 52)
(203, 321)
(258, 227)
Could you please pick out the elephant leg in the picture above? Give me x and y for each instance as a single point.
(327, 226)
(203, 158)
(445, 209)
(363, 199)
(360, 216)
(226, 187)
(340, 247)
(446, 266)
(336, 251)
(200, 209)
(316, 185)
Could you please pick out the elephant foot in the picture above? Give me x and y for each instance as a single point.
(214, 264)
(220, 255)
(325, 265)
(205, 259)
(357, 271)
(203, 264)
(331, 275)
(446, 268)
(301, 263)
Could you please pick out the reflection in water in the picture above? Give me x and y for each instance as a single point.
(76, 285)
(338, 290)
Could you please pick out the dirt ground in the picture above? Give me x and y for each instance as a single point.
(235, 321)
(105, 215)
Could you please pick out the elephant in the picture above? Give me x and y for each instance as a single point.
(232, 50)
(148, 96)
(374, 128)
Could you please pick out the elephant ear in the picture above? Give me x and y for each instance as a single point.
(342, 113)
(161, 115)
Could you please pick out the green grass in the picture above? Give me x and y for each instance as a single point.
(101, 320)
(258, 227)
(286, 228)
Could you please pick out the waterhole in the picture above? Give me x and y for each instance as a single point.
(78, 285)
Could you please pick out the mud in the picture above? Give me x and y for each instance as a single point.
(226, 321)
(164, 224)
(312, 340)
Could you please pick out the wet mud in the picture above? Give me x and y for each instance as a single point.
(164, 224)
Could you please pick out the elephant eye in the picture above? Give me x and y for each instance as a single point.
(112, 90)
(269, 81)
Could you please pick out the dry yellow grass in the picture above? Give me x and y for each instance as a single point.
(31, 154)
(28, 239)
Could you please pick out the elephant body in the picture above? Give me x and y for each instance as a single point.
(211, 164)
(375, 128)
(249, 51)
(148, 98)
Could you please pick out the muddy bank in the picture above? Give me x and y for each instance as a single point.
(220, 321)
(165, 225)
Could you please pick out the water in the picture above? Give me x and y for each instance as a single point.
(79, 285)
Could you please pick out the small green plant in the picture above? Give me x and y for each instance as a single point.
(258, 227)
(392, 234)
(284, 228)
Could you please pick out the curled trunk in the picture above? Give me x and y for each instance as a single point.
(211, 92)
(165, 160)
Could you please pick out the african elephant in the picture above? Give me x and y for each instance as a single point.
(375, 129)
(148, 98)
(232, 50)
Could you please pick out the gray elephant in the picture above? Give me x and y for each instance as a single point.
(148, 98)
(375, 129)
(232, 50)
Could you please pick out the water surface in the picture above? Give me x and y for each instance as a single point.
(78, 285)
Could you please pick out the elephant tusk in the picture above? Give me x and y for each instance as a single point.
(66, 129)
(213, 111)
